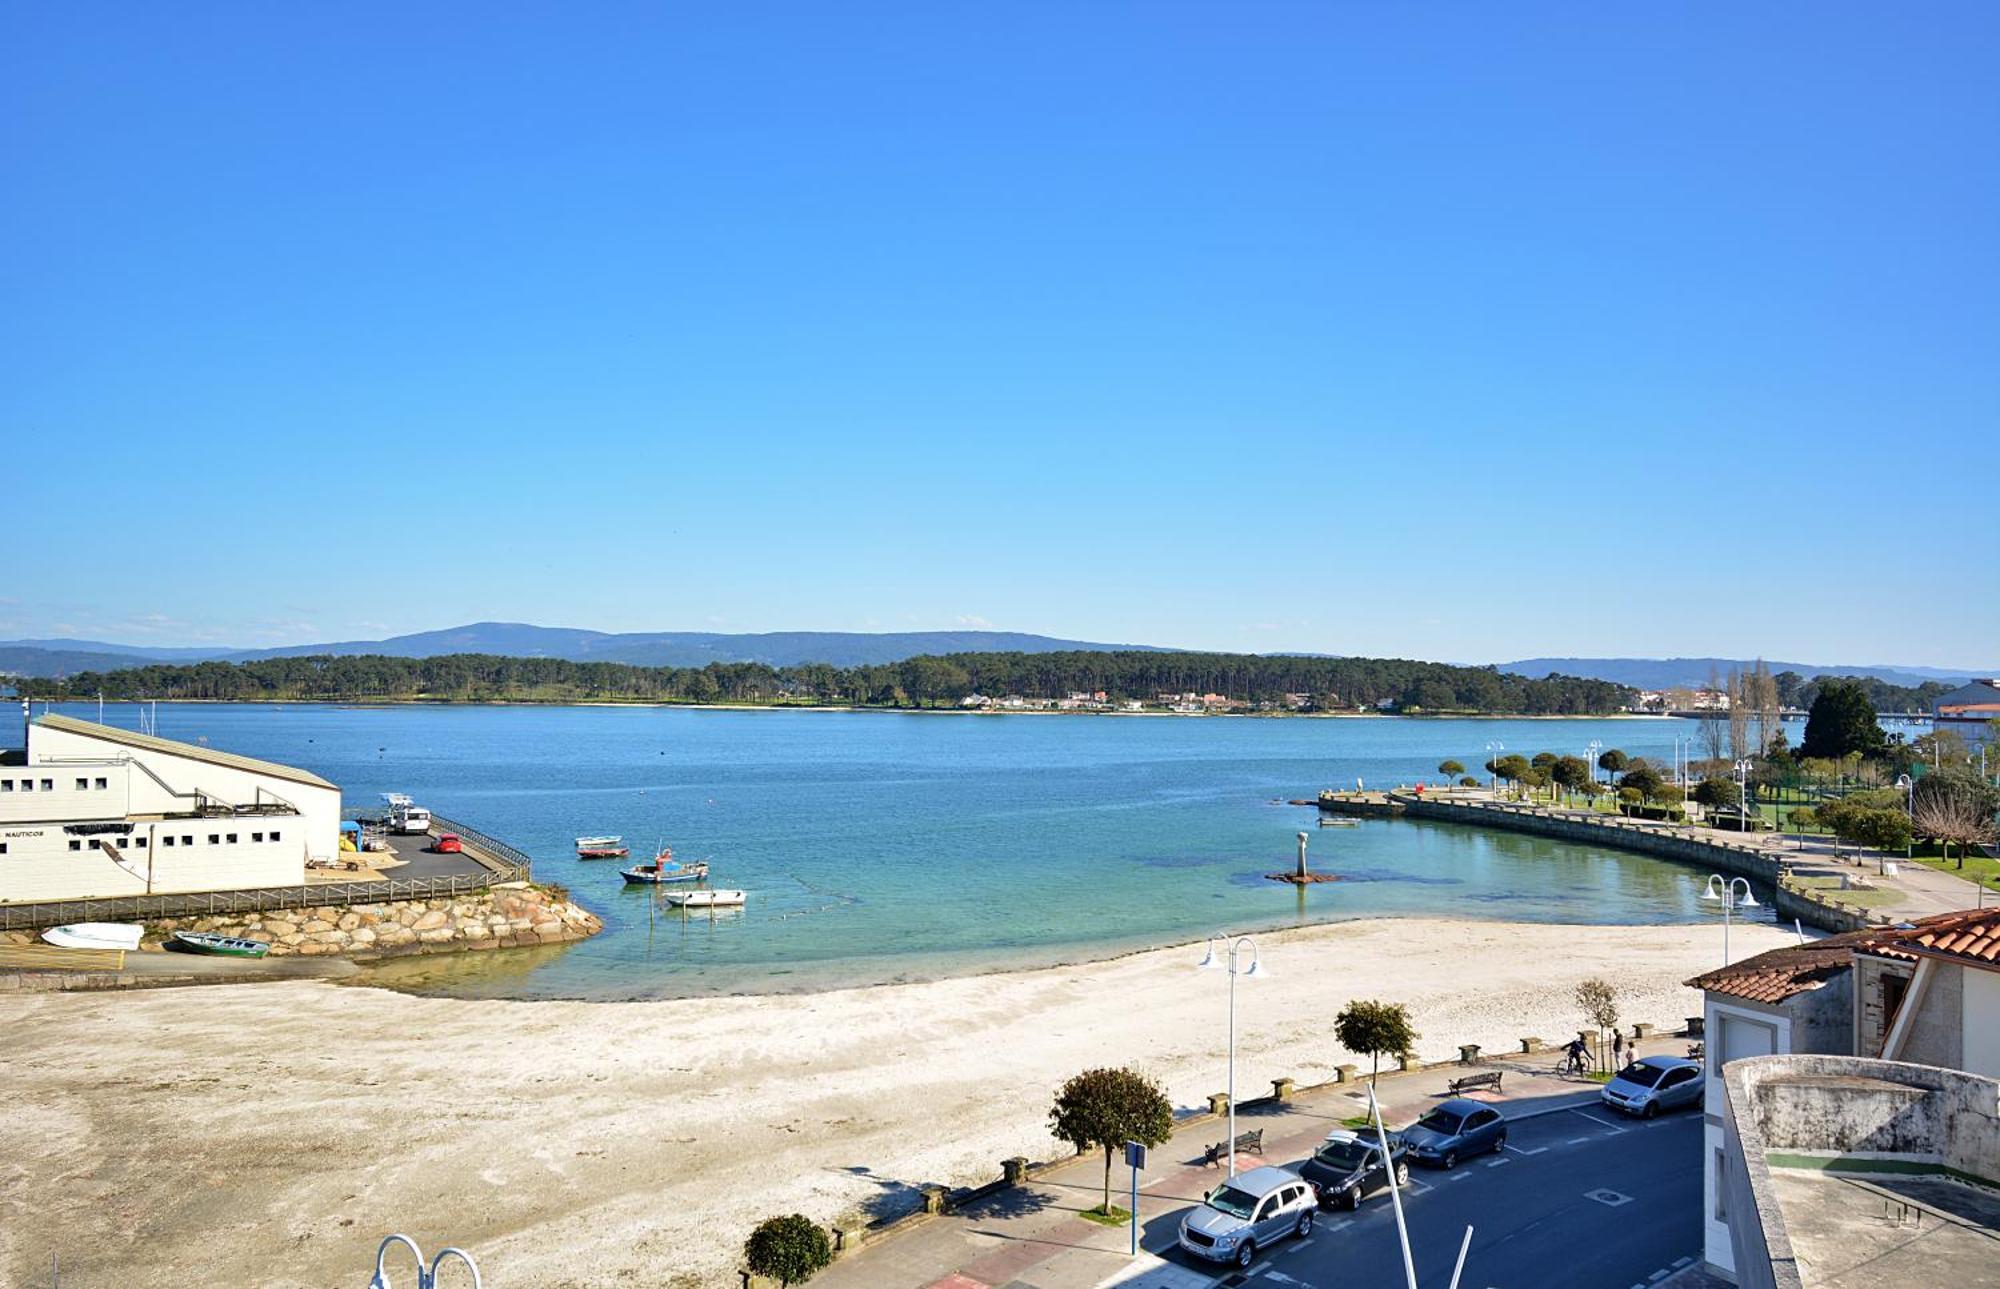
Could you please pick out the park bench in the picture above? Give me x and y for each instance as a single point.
(1252, 1141)
(1483, 1079)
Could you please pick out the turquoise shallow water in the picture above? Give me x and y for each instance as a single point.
(878, 846)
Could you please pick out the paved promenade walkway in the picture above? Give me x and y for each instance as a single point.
(1912, 891)
(1033, 1235)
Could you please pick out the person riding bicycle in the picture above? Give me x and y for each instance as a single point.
(1573, 1052)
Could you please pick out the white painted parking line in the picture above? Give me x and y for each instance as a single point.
(1615, 1127)
(1658, 1276)
(1458, 1177)
(1495, 1163)
(1576, 1141)
(1536, 1151)
(1681, 1262)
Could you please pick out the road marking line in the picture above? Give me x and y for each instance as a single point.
(1259, 1269)
(1458, 1177)
(1576, 1141)
(1681, 1262)
(1495, 1163)
(1658, 1276)
(1536, 1151)
(1615, 1127)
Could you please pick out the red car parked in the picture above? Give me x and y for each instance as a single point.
(448, 844)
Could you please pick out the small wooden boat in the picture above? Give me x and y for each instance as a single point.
(602, 848)
(219, 946)
(96, 935)
(707, 899)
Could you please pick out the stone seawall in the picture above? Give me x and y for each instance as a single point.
(1732, 858)
(513, 915)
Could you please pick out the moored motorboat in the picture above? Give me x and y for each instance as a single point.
(219, 946)
(602, 848)
(707, 899)
(96, 935)
(664, 870)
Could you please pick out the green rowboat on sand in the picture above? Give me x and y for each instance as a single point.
(219, 946)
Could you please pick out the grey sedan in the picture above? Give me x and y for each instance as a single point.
(1455, 1130)
(1656, 1083)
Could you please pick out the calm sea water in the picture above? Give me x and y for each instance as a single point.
(878, 846)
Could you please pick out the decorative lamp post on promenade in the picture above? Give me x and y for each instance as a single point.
(1731, 901)
(1255, 971)
(1493, 751)
(427, 1274)
(1742, 769)
(1590, 756)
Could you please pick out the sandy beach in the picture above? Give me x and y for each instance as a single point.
(278, 1131)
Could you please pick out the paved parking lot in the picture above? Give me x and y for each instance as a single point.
(1582, 1198)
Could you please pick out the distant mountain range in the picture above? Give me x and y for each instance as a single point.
(63, 657)
(1694, 673)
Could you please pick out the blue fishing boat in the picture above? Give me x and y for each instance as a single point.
(665, 869)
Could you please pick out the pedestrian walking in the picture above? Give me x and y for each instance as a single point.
(1618, 1049)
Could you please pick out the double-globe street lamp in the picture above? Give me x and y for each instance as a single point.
(1493, 751)
(1718, 889)
(1742, 769)
(1255, 971)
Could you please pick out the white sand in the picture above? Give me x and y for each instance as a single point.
(278, 1131)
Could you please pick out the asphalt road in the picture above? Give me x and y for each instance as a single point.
(1582, 1199)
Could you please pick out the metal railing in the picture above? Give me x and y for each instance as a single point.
(499, 863)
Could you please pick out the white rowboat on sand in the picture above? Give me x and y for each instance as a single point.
(96, 935)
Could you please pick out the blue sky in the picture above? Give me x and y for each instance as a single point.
(1464, 332)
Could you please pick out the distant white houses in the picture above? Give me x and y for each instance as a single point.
(92, 811)
(1969, 711)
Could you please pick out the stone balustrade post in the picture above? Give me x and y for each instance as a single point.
(1281, 1089)
(1218, 1103)
(1643, 1031)
(1344, 1073)
(1014, 1171)
(1529, 1046)
(1468, 1053)
(937, 1199)
(846, 1235)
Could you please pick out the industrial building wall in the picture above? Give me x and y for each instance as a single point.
(39, 864)
(320, 807)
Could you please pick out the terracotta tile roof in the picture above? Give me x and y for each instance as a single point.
(1776, 975)
(1969, 935)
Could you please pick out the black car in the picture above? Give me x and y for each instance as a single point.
(1348, 1166)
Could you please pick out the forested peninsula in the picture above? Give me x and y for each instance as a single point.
(1149, 678)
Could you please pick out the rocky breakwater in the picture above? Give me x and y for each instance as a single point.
(515, 915)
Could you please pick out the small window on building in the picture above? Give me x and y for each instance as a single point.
(187, 839)
(83, 785)
(232, 839)
(215, 839)
(27, 785)
(256, 836)
(1721, 1187)
(139, 842)
(48, 785)
(74, 844)
(3, 847)
(6, 785)
(276, 837)
(167, 840)
(103, 783)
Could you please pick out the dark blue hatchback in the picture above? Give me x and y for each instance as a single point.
(1455, 1130)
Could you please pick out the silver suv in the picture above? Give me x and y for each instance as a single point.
(1250, 1211)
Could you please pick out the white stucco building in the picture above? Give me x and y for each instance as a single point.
(91, 811)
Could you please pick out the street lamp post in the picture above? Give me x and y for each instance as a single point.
(1493, 751)
(1743, 796)
(1254, 971)
(1731, 901)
